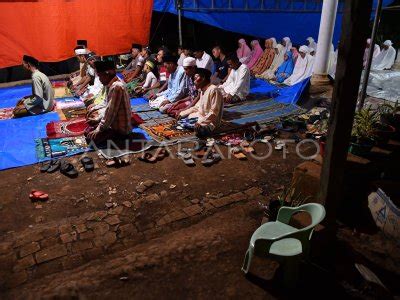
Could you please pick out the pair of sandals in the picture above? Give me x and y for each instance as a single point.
(210, 158)
(159, 155)
(67, 168)
(118, 161)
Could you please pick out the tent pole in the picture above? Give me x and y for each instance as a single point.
(363, 92)
(180, 22)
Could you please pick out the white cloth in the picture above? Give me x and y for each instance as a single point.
(189, 62)
(385, 59)
(312, 45)
(288, 43)
(377, 50)
(151, 80)
(332, 62)
(181, 58)
(302, 69)
(238, 82)
(94, 89)
(205, 62)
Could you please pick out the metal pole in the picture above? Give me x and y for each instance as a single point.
(363, 92)
(180, 22)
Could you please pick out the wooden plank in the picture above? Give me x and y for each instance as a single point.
(355, 26)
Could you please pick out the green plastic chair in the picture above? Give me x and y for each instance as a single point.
(285, 243)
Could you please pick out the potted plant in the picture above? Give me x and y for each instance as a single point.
(289, 197)
(390, 118)
(363, 132)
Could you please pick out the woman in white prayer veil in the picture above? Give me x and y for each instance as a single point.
(332, 61)
(377, 50)
(287, 43)
(274, 42)
(303, 67)
(312, 45)
(278, 60)
(385, 59)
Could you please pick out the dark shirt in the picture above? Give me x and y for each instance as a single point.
(221, 67)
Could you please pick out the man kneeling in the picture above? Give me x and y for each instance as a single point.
(42, 98)
(208, 110)
(115, 122)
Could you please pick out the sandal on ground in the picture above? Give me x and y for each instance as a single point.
(188, 159)
(45, 166)
(279, 145)
(148, 157)
(55, 165)
(161, 154)
(238, 153)
(36, 195)
(211, 159)
(87, 163)
(68, 170)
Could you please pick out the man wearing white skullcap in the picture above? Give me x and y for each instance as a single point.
(302, 68)
(377, 50)
(385, 59)
(189, 62)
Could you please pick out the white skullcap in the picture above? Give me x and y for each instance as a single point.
(304, 49)
(80, 51)
(388, 43)
(189, 62)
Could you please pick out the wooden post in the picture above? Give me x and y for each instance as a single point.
(355, 27)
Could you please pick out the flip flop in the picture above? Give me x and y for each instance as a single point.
(212, 158)
(87, 163)
(54, 166)
(188, 160)
(148, 157)
(36, 195)
(237, 152)
(68, 170)
(161, 154)
(248, 149)
(45, 166)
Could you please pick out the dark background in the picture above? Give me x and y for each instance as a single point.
(164, 32)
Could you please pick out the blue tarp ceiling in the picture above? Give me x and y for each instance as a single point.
(300, 23)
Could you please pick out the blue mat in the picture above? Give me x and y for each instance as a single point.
(10, 96)
(17, 139)
(17, 136)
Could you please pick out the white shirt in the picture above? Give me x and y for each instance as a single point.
(205, 62)
(151, 80)
(238, 82)
(385, 59)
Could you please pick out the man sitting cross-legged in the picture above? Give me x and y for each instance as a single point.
(42, 98)
(115, 120)
(209, 109)
(237, 86)
(177, 86)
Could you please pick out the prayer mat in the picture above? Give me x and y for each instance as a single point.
(69, 102)
(73, 113)
(52, 148)
(59, 129)
(130, 87)
(59, 83)
(62, 92)
(6, 113)
(166, 131)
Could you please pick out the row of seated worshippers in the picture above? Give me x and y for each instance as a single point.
(281, 62)
(383, 57)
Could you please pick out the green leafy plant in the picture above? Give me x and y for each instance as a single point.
(290, 196)
(365, 123)
(389, 109)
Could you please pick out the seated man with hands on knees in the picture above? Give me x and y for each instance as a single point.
(42, 98)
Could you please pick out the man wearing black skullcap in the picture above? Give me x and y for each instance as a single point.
(209, 108)
(42, 98)
(134, 68)
(114, 119)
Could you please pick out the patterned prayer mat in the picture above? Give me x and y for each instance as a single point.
(62, 92)
(165, 131)
(71, 128)
(6, 113)
(51, 148)
(69, 103)
(74, 112)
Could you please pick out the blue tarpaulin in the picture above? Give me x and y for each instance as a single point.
(297, 19)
